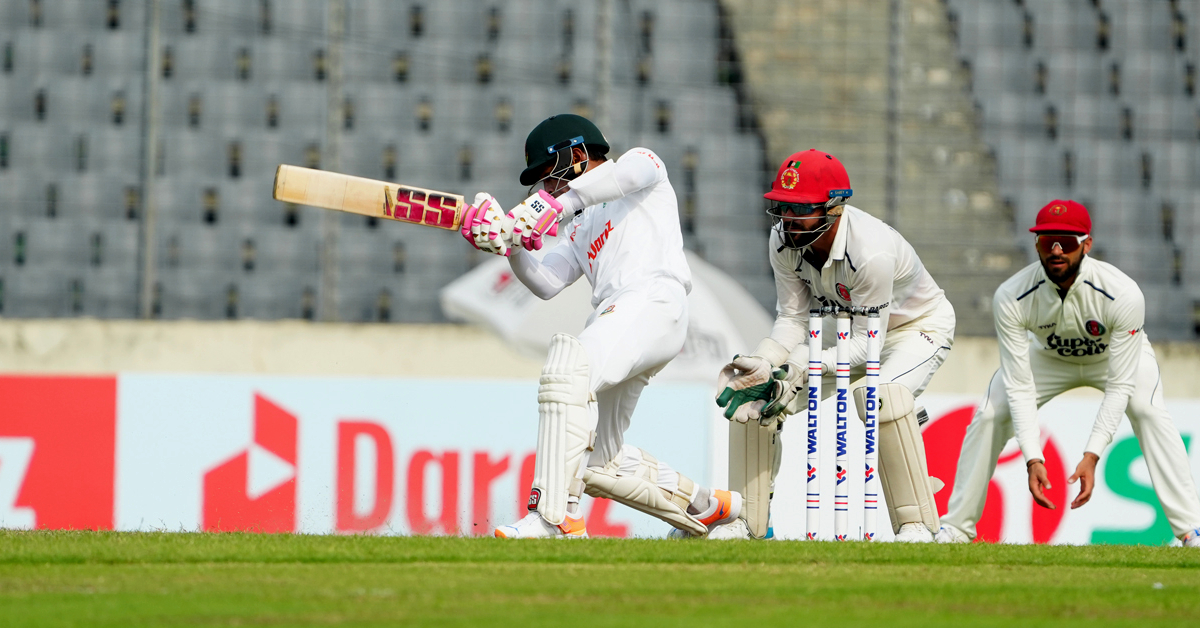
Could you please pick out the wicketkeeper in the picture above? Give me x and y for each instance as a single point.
(622, 233)
(1063, 322)
(825, 253)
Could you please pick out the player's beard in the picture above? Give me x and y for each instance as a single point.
(1067, 273)
(799, 238)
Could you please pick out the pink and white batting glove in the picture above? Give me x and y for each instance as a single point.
(482, 225)
(536, 217)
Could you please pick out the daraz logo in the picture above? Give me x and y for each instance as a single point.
(256, 489)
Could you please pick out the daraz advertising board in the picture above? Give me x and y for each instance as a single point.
(406, 456)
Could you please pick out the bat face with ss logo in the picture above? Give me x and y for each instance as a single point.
(368, 197)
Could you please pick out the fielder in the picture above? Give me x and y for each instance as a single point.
(824, 252)
(1064, 322)
(623, 235)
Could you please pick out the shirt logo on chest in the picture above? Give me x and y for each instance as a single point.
(1074, 347)
(843, 291)
(599, 243)
(1094, 328)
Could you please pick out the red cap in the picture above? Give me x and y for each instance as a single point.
(810, 176)
(1060, 215)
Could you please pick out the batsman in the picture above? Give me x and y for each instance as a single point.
(825, 253)
(622, 233)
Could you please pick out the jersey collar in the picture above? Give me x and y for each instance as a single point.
(838, 250)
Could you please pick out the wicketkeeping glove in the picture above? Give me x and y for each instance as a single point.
(745, 385)
(788, 381)
(745, 404)
(484, 227)
(534, 218)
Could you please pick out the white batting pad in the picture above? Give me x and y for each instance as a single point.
(565, 424)
(753, 450)
(632, 478)
(903, 472)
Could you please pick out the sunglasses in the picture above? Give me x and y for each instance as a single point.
(1069, 243)
(798, 210)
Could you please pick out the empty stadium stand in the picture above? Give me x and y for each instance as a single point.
(957, 120)
(438, 94)
(1095, 100)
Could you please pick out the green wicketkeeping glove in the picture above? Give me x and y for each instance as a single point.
(746, 386)
(747, 403)
(788, 380)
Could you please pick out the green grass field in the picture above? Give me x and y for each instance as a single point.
(185, 579)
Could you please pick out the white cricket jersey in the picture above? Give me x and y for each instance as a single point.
(1100, 319)
(628, 235)
(869, 265)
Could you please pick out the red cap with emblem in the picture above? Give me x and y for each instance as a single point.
(810, 176)
(1067, 216)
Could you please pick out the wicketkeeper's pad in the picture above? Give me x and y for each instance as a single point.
(631, 478)
(903, 472)
(753, 454)
(566, 418)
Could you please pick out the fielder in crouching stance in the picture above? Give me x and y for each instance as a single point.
(623, 235)
(1063, 322)
(827, 253)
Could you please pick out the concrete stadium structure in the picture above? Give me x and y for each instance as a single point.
(941, 109)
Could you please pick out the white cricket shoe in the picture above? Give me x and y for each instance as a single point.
(723, 510)
(1192, 539)
(950, 534)
(533, 526)
(914, 533)
(735, 530)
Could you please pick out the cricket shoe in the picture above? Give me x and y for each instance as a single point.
(735, 530)
(533, 526)
(950, 534)
(724, 508)
(1192, 539)
(914, 533)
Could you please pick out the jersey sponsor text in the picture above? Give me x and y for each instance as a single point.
(1074, 347)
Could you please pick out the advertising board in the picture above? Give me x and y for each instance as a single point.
(184, 452)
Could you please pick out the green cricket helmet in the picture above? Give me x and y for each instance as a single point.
(551, 141)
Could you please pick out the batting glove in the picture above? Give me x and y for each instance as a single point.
(535, 218)
(483, 225)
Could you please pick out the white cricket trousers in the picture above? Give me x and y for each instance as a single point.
(992, 427)
(630, 337)
(910, 355)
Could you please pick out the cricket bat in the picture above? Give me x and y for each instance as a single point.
(357, 195)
